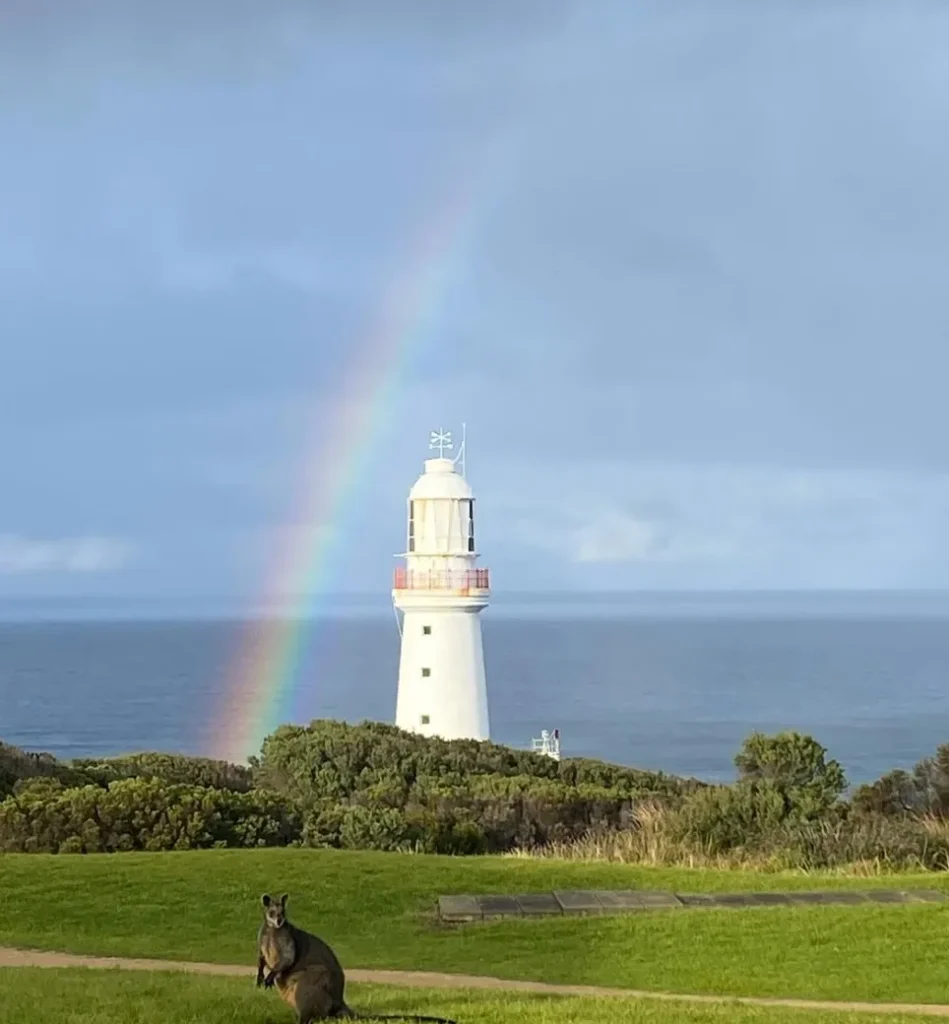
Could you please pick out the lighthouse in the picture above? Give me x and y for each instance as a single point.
(441, 594)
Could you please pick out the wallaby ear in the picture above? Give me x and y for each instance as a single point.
(265, 899)
(283, 900)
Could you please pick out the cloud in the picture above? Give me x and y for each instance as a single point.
(732, 526)
(21, 555)
(711, 249)
(614, 537)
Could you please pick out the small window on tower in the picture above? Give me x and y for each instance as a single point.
(426, 672)
(426, 630)
(471, 546)
(424, 719)
(411, 526)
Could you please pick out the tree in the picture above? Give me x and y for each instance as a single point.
(797, 767)
(923, 791)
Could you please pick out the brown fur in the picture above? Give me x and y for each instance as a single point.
(305, 970)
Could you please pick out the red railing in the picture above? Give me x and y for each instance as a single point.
(461, 580)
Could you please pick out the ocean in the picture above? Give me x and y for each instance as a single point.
(661, 682)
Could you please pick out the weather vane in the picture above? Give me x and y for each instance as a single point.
(440, 439)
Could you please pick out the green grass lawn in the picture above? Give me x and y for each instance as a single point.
(34, 996)
(375, 909)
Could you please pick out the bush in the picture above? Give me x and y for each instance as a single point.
(924, 791)
(42, 787)
(863, 844)
(376, 784)
(329, 760)
(141, 814)
(373, 786)
(723, 818)
(377, 828)
(872, 840)
(173, 768)
(794, 766)
(454, 797)
(17, 765)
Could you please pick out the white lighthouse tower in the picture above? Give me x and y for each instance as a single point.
(441, 594)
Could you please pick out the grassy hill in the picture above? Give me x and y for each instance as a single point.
(376, 909)
(117, 998)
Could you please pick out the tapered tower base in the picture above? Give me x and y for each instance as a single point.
(442, 689)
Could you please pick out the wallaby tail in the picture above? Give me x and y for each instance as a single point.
(419, 1018)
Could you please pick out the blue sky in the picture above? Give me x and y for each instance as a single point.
(698, 331)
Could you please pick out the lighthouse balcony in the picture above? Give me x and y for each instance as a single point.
(465, 581)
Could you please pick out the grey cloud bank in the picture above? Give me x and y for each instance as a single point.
(22, 555)
(697, 328)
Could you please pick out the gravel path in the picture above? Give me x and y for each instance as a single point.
(424, 979)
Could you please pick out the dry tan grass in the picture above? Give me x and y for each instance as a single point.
(937, 827)
(652, 841)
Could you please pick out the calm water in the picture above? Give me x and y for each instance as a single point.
(674, 690)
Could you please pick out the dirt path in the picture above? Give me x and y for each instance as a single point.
(424, 979)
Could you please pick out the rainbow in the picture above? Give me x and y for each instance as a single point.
(260, 687)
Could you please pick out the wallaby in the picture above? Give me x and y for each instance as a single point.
(305, 970)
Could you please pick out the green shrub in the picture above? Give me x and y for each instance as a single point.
(17, 765)
(40, 787)
(329, 760)
(634, 782)
(447, 831)
(795, 766)
(142, 814)
(373, 828)
(881, 840)
(924, 791)
(895, 793)
(453, 796)
(722, 818)
(374, 786)
(172, 768)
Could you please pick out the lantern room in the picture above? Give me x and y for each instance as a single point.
(440, 514)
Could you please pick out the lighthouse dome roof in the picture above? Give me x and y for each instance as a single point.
(440, 480)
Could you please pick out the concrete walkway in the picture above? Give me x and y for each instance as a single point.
(423, 979)
(458, 908)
